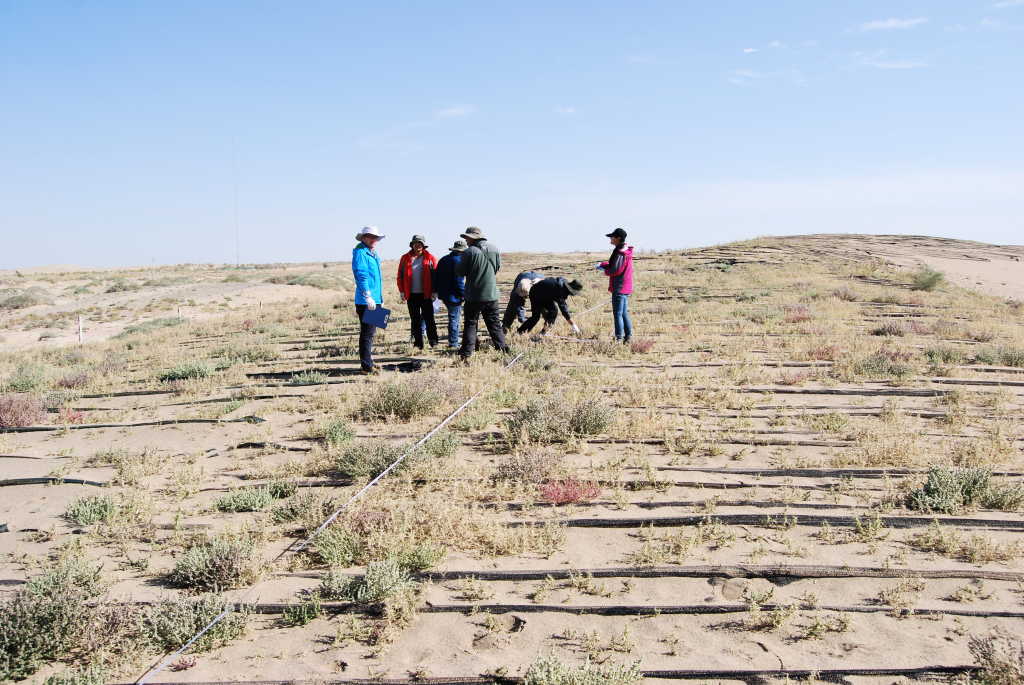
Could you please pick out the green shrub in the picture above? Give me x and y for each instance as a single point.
(190, 370)
(239, 354)
(552, 419)
(147, 326)
(171, 623)
(368, 458)
(338, 547)
(44, 620)
(889, 328)
(28, 377)
(1004, 355)
(403, 400)
(121, 286)
(420, 556)
(308, 508)
(245, 499)
(29, 298)
(382, 580)
(944, 355)
(91, 509)
(308, 378)
(882, 364)
(335, 432)
(952, 490)
(301, 614)
(222, 563)
(926, 278)
(440, 446)
(549, 670)
(94, 674)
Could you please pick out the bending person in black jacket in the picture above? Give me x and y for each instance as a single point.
(547, 298)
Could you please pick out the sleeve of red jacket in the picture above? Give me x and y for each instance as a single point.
(401, 275)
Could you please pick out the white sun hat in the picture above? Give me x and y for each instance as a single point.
(369, 230)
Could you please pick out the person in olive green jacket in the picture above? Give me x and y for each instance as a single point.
(480, 265)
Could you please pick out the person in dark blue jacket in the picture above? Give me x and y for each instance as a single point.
(451, 289)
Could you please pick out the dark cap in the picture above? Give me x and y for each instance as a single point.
(617, 233)
(575, 287)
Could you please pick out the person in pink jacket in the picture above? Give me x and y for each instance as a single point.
(619, 270)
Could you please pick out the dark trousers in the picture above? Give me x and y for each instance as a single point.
(366, 333)
(492, 319)
(515, 311)
(550, 314)
(421, 311)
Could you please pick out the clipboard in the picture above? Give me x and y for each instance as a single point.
(378, 317)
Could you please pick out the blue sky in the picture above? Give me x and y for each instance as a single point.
(128, 128)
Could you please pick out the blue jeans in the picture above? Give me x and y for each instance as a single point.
(620, 310)
(454, 323)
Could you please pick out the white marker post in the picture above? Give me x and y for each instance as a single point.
(81, 330)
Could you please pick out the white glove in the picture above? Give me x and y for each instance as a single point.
(575, 329)
(371, 304)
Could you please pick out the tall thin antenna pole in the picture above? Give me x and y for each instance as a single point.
(234, 169)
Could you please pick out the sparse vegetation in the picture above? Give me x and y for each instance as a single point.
(551, 419)
(952, 490)
(926, 278)
(220, 563)
(18, 410)
(549, 670)
(404, 400)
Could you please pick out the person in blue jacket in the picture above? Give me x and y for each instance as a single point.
(369, 290)
(451, 289)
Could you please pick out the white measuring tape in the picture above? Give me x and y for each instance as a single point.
(302, 545)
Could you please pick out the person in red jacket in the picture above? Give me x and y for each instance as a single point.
(415, 285)
(619, 270)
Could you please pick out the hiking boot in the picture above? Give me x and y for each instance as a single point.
(373, 371)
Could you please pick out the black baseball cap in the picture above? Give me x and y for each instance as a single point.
(617, 233)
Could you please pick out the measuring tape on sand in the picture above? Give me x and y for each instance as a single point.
(166, 661)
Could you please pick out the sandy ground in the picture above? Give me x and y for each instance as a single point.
(729, 371)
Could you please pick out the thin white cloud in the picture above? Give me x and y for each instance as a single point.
(1008, 3)
(749, 51)
(990, 24)
(565, 110)
(744, 77)
(880, 59)
(892, 23)
(776, 44)
(401, 137)
(454, 111)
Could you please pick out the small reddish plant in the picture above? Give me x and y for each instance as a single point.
(568, 491)
(248, 324)
(20, 409)
(74, 381)
(641, 346)
(919, 328)
(824, 353)
(845, 294)
(183, 664)
(794, 378)
(891, 328)
(797, 314)
(69, 415)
